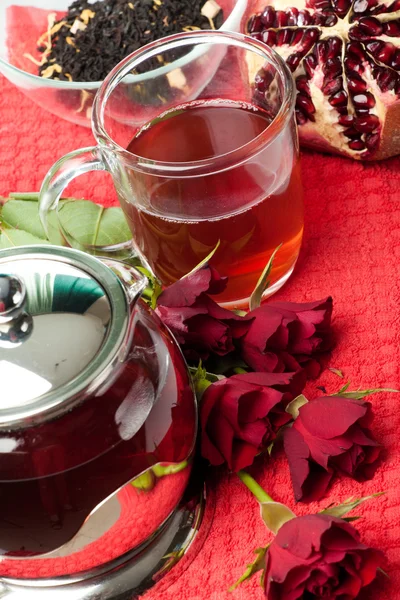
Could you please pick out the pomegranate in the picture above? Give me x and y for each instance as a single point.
(345, 61)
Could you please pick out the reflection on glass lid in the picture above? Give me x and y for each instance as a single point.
(54, 330)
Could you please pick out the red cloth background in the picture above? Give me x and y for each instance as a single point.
(352, 251)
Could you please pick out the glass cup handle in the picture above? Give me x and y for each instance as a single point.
(62, 173)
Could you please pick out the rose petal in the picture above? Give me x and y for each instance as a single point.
(257, 404)
(185, 291)
(330, 416)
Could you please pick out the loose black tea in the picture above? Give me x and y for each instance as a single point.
(93, 37)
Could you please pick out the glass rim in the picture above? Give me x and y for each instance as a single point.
(211, 164)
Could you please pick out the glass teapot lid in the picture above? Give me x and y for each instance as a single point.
(63, 318)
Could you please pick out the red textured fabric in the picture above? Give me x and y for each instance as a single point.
(351, 250)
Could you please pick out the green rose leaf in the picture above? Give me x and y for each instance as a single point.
(257, 565)
(275, 514)
(360, 394)
(341, 510)
(262, 283)
(90, 224)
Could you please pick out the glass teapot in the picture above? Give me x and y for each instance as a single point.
(97, 415)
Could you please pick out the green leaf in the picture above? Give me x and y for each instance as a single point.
(294, 406)
(275, 514)
(262, 283)
(359, 394)
(337, 372)
(204, 261)
(257, 565)
(10, 238)
(144, 482)
(343, 389)
(24, 215)
(90, 224)
(342, 509)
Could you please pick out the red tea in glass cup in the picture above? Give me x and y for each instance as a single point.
(203, 152)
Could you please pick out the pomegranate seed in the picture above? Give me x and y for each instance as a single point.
(255, 24)
(358, 35)
(360, 6)
(257, 36)
(370, 25)
(333, 67)
(309, 38)
(293, 61)
(268, 16)
(281, 18)
(342, 7)
(346, 120)
(321, 50)
(304, 18)
(353, 65)
(305, 104)
(387, 80)
(386, 53)
(292, 14)
(284, 36)
(340, 98)
(365, 100)
(334, 47)
(342, 110)
(320, 4)
(332, 86)
(309, 64)
(351, 133)
(372, 141)
(356, 49)
(269, 38)
(357, 145)
(298, 37)
(302, 85)
(392, 28)
(330, 20)
(262, 82)
(367, 124)
(300, 117)
(395, 64)
(374, 47)
(356, 85)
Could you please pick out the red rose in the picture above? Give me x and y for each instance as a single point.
(318, 556)
(284, 336)
(330, 434)
(199, 324)
(240, 415)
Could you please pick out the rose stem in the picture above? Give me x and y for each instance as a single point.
(254, 488)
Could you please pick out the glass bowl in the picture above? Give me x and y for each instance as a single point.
(22, 22)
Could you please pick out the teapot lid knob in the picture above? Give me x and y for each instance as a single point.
(12, 296)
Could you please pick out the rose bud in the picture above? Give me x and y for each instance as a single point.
(318, 556)
(240, 415)
(286, 336)
(330, 434)
(199, 324)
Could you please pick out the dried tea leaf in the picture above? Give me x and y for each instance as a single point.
(275, 514)
(262, 283)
